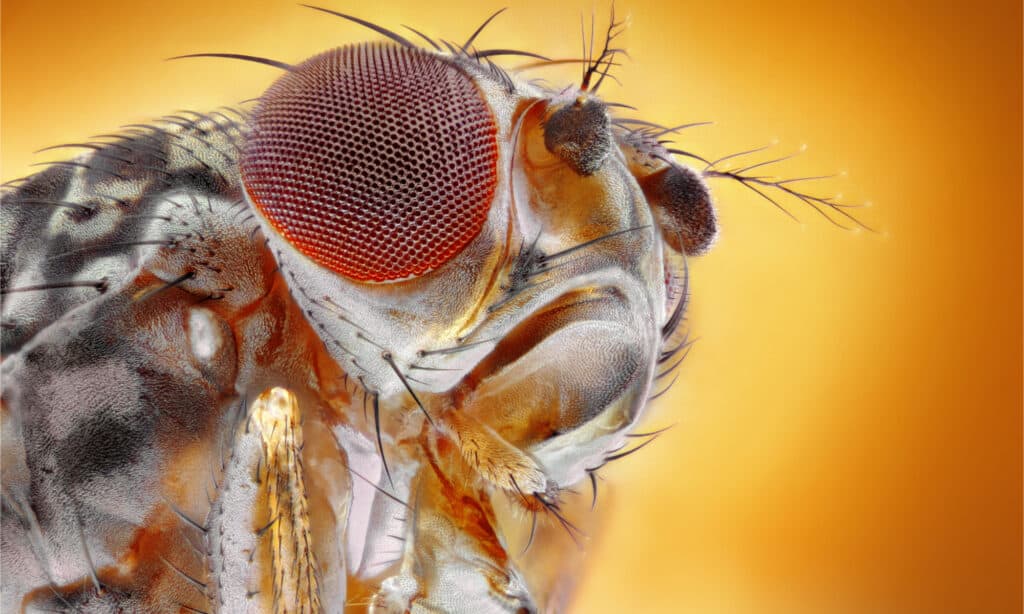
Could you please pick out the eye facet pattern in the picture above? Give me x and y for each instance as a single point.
(377, 162)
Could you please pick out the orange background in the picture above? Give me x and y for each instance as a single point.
(848, 427)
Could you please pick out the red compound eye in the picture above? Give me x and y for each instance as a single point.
(378, 162)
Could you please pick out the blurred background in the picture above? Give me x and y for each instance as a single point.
(848, 426)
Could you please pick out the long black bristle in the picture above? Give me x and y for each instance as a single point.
(394, 367)
(237, 56)
(380, 441)
(100, 285)
(477, 32)
(429, 40)
(398, 38)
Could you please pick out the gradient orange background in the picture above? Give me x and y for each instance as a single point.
(848, 430)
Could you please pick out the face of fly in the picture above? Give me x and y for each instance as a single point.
(457, 234)
(423, 193)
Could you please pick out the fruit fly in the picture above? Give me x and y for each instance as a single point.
(350, 346)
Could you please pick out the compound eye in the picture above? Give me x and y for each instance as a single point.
(377, 162)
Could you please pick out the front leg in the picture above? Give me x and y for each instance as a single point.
(453, 554)
(547, 404)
